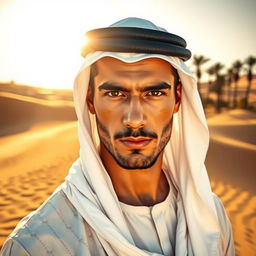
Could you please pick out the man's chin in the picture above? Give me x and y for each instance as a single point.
(134, 162)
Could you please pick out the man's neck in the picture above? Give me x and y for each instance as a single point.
(136, 187)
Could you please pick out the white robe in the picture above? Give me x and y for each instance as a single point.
(57, 228)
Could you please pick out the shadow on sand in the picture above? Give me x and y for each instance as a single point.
(19, 113)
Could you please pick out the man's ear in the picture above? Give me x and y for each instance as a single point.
(89, 100)
(177, 97)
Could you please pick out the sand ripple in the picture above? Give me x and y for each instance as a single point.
(241, 208)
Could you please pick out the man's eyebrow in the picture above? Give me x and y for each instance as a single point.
(159, 86)
(112, 87)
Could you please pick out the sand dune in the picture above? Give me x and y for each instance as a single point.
(19, 113)
(240, 207)
(35, 163)
(236, 128)
(232, 152)
(38, 141)
(35, 160)
(231, 167)
(233, 117)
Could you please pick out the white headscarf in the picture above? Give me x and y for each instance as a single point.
(89, 187)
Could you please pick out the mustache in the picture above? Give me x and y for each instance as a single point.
(129, 132)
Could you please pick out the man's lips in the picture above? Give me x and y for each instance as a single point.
(136, 142)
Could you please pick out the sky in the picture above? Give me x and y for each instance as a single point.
(41, 40)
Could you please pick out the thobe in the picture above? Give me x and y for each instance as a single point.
(57, 228)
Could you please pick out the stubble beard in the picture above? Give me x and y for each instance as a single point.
(135, 160)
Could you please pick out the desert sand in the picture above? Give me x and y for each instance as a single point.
(36, 154)
(231, 166)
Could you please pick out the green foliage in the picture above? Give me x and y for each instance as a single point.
(236, 68)
(250, 61)
(218, 84)
(198, 61)
(242, 103)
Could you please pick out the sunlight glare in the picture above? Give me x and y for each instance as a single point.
(45, 41)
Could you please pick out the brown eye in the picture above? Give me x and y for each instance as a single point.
(113, 94)
(156, 93)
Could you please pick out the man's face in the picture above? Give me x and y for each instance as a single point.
(134, 104)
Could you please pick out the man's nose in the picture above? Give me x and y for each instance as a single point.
(134, 117)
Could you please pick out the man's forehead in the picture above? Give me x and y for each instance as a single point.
(141, 68)
(135, 64)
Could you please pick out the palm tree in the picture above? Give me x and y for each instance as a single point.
(229, 77)
(250, 62)
(218, 83)
(236, 70)
(210, 72)
(198, 61)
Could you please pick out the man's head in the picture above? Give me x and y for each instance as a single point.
(134, 104)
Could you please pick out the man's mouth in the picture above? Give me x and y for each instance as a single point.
(133, 142)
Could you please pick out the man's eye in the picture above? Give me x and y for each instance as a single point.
(114, 94)
(155, 93)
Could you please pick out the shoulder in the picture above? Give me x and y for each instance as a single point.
(227, 242)
(55, 225)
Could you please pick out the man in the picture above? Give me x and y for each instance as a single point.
(140, 186)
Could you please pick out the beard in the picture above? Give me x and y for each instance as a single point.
(135, 160)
